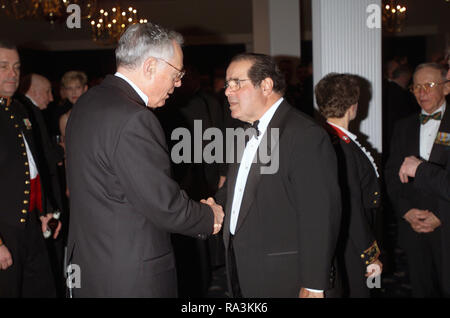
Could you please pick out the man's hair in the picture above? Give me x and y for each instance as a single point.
(141, 41)
(74, 76)
(434, 66)
(401, 70)
(335, 93)
(263, 67)
(5, 44)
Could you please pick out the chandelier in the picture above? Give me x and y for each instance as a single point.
(394, 16)
(50, 10)
(109, 24)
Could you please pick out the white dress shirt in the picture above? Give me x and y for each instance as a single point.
(31, 163)
(428, 133)
(137, 89)
(364, 150)
(246, 164)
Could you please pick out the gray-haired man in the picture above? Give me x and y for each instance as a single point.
(123, 200)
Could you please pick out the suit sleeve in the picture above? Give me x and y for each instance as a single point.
(142, 164)
(314, 182)
(359, 230)
(430, 177)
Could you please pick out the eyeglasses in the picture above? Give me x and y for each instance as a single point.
(234, 84)
(426, 87)
(180, 73)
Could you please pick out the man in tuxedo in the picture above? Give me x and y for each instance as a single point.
(424, 221)
(24, 264)
(123, 201)
(281, 224)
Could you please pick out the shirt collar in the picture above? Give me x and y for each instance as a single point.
(441, 109)
(349, 134)
(267, 117)
(137, 89)
(31, 100)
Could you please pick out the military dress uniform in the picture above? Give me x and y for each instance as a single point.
(360, 190)
(22, 202)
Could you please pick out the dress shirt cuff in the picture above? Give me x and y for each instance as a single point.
(314, 290)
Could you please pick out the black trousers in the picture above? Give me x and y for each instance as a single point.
(424, 256)
(30, 275)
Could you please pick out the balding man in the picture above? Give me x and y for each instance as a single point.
(422, 205)
(24, 265)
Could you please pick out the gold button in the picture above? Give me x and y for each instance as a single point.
(22, 145)
(22, 220)
(16, 126)
(20, 135)
(26, 192)
(27, 173)
(6, 108)
(12, 116)
(27, 182)
(26, 163)
(376, 193)
(24, 153)
(375, 202)
(24, 211)
(25, 201)
(367, 262)
(362, 256)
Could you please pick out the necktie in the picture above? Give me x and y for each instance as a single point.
(425, 118)
(5, 101)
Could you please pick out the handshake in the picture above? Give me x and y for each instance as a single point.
(218, 213)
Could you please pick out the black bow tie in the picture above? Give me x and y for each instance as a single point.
(254, 129)
(425, 118)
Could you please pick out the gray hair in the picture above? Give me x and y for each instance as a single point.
(434, 66)
(141, 41)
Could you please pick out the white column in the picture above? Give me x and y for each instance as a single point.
(276, 27)
(347, 39)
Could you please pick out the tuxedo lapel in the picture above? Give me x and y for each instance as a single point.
(439, 151)
(254, 175)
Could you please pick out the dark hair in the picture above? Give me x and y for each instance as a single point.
(335, 93)
(6, 44)
(263, 67)
(401, 70)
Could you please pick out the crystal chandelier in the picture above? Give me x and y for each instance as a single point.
(109, 24)
(50, 10)
(394, 16)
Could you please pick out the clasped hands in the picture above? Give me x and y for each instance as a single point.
(218, 214)
(422, 221)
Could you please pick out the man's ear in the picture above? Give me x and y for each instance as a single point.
(85, 88)
(267, 86)
(149, 67)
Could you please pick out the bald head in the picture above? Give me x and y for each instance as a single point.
(40, 90)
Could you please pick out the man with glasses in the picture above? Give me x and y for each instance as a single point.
(424, 226)
(281, 227)
(123, 200)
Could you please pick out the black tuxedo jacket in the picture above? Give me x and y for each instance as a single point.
(14, 167)
(123, 201)
(417, 193)
(288, 223)
(361, 201)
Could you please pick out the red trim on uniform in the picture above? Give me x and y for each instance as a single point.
(35, 194)
(340, 134)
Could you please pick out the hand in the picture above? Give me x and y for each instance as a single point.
(415, 217)
(409, 168)
(374, 269)
(430, 223)
(304, 293)
(5, 258)
(44, 222)
(218, 214)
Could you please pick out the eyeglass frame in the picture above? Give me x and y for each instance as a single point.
(431, 85)
(181, 72)
(238, 83)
